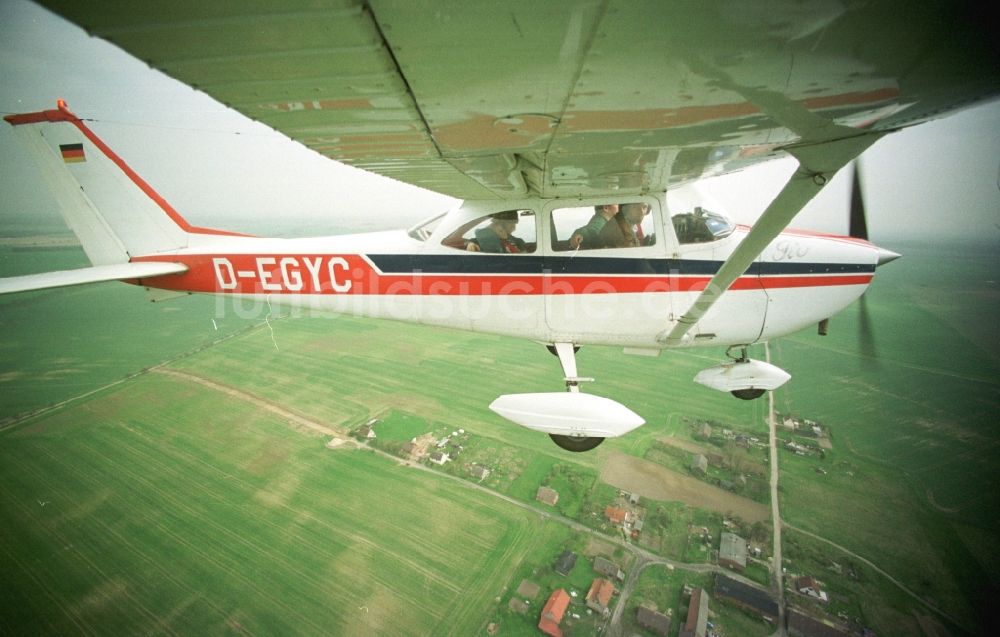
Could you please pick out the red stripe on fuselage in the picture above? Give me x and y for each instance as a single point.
(354, 274)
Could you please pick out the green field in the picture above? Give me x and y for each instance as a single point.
(62, 343)
(916, 427)
(155, 508)
(173, 507)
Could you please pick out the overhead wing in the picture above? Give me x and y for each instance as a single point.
(96, 274)
(481, 99)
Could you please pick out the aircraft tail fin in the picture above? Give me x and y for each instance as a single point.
(114, 213)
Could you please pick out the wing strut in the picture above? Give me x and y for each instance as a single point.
(817, 165)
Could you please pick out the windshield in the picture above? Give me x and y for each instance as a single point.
(701, 226)
(423, 230)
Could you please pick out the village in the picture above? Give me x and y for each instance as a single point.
(579, 589)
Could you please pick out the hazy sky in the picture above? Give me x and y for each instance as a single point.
(218, 168)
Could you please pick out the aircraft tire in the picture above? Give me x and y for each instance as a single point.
(748, 394)
(576, 444)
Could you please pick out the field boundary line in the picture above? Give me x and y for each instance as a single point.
(18, 419)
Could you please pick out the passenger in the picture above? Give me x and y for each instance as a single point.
(626, 231)
(586, 237)
(498, 235)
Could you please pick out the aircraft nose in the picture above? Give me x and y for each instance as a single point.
(885, 256)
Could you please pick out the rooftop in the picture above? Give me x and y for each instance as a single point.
(601, 591)
(553, 612)
(752, 597)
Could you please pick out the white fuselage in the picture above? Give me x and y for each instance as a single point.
(546, 292)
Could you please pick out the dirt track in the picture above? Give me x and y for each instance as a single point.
(651, 480)
(292, 418)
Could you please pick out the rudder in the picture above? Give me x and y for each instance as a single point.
(114, 213)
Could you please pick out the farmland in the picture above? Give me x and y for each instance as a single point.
(163, 505)
(156, 508)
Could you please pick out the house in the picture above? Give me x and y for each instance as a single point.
(615, 515)
(733, 552)
(634, 499)
(366, 431)
(750, 598)
(565, 563)
(704, 431)
(439, 457)
(410, 448)
(547, 496)
(803, 625)
(599, 595)
(552, 613)
(652, 620)
(479, 472)
(809, 586)
(699, 463)
(609, 568)
(697, 617)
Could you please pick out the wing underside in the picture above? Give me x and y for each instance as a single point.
(485, 100)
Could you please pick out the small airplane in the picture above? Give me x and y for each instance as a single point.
(564, 161)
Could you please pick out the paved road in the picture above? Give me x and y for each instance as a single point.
(778, 572)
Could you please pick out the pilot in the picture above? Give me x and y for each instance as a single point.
(498, 236)
(586, 237)
(624, 230)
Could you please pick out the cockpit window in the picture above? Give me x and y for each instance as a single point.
(507, 232)
(701, 226)
(616, 225)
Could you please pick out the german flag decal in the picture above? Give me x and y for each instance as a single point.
(72, 153)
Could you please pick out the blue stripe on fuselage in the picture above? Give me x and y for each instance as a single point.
(479, 263)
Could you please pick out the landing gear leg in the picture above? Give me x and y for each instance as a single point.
(567, 359)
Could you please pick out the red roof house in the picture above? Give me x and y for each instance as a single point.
(615, 515)
(553, 613)
(600, 595)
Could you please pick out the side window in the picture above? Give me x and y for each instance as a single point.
(624, 225)
(507, 232)
(701, 226)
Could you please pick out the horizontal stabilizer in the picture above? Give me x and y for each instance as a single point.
(96, 274)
